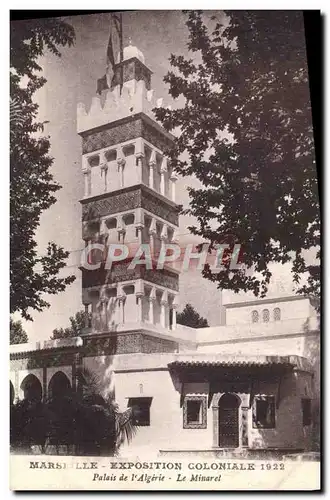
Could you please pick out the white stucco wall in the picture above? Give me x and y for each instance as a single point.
(290, 309)
(166, 430)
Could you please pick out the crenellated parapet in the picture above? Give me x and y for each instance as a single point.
(133, 99)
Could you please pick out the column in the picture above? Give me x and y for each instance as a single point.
(86, 170)
(44, 383)
(121, 229)
(152, 234)
(121, 164)
(86, 318)
(104, 169)
(139, 293)
(104, 318)
(139, 154)
(163, 171)
(174, 308)
(164, 235)
(121, 299)
(152, 165)
(16, 386)
(121, 309)
(139, 223)
(152, 300)
(245, 426)
(173, 180)
(163, 310)
(103, 228)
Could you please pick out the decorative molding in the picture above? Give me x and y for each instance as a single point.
(124, 130)
(261, 302)
(130, 199)
(245, 426)
(120, 272)
(111, 203)
(41, 359)
(162, 277)
(126, 343)
(203, 421)
(133, 69)
(153, 205)
(153, 344)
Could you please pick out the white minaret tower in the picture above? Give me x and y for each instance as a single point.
(129, 198)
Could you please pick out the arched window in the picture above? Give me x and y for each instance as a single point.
(277, 314)
(31, 388)
(129, 289)
(59, 386)
(111, 223)
(255, 316)
(265, 315)
(128, 219)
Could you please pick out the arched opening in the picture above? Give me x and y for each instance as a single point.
(277, 314)
(31, 388)
(229, 421)
(59, 386)
(265, 315)
(12, 393)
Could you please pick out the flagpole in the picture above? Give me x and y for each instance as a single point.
(104, 83)
(119, 26)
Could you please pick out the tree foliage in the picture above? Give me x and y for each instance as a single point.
(190, 317)
(77, 324)
(17, 333)
(246, 129)
(85, 422)
(32, 187)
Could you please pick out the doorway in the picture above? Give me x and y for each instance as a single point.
(229, 421)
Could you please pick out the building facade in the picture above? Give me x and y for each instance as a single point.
(248, 386)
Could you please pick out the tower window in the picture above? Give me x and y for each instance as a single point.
(128, 219)
(111, 293)
(129, 289)
(265, 315)
(94, 161)
(255, 317)
(111, 155)
(129, 150)
(111, 223)
(277, 314)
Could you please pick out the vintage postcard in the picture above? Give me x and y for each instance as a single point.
(165, 252)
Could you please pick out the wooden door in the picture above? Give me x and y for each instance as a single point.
(229, 421)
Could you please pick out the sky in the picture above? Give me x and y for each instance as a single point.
(72, 79)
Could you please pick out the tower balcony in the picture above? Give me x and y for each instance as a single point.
(131, 228)
(130, 303)
(127, 164)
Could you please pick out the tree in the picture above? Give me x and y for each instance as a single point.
(190, 317)
(246, 129)
(77, 324)
(86, 420)
(32, 187)
(17, 333)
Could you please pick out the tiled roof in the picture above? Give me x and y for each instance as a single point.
(236, 361)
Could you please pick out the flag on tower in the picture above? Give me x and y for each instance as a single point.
(104, 83)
